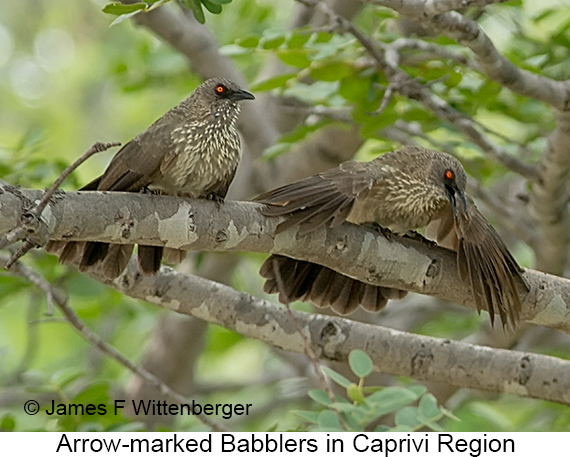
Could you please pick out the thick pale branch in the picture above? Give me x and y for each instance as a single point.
(237, 226)
(332, 338)
(549, 200)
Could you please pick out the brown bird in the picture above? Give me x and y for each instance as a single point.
(401, 191)
(192, 151)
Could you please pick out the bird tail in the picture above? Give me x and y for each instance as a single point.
(86, 255)
(485, 262)
(150, 258)
(300, 280)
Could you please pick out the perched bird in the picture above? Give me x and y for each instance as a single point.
(401, 191)
(193, 150)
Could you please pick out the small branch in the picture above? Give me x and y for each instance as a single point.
(97, 147)
(31, 225)
(431, 50)
(386, 98)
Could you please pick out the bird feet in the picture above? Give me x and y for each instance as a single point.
(413, 235)
(387, 233)
(216, 199)
(147, 191)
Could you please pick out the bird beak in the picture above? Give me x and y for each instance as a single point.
(241, 95)
(453, 193)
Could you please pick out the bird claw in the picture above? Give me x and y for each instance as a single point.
(413, 235)
(216, 199)
(387, 233)
(148, 191)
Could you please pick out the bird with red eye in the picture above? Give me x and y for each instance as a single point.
(401, 191)
(229, 92)
(191, 151)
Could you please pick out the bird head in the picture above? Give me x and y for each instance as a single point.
(220, 95)
(451, 177)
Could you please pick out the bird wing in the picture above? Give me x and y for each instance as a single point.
(320, 199)
(138, 162)
(484, 261)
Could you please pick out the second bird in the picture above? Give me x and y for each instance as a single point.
(193, 151)
(401, 191)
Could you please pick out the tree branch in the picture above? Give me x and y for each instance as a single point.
(549, 200)
(422, 9)
(236, 226)
(333, 338)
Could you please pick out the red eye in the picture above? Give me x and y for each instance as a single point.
(220, 89)
(449, 174)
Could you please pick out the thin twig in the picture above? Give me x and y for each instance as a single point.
(31, 220)
(97, 147)
(386, 98)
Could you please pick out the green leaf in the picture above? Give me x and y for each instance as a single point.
(408, 417)
(355, 394)
(196, 7)
(360, 363)
(354, 88)
(389, 400)
(273, 83)
(428, 407)
(221, 2)
(338, 378)
(329, 420)
(417, 390)
(119, 9)
(432, 425)
(298, 39)
(94, 394)
(320, 396)
(123, 18)
(309, 416)
(350, 408)
(295, 57)
(66, 376)
(7, 423)
(273, 43)
(250, 41)
(213, 8)
(331, 71)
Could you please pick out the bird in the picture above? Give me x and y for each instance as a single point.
(399, 191)
(191, 151)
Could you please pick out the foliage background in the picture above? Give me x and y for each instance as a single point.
(67, 79)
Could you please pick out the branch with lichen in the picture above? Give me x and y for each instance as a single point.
(399, 263)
